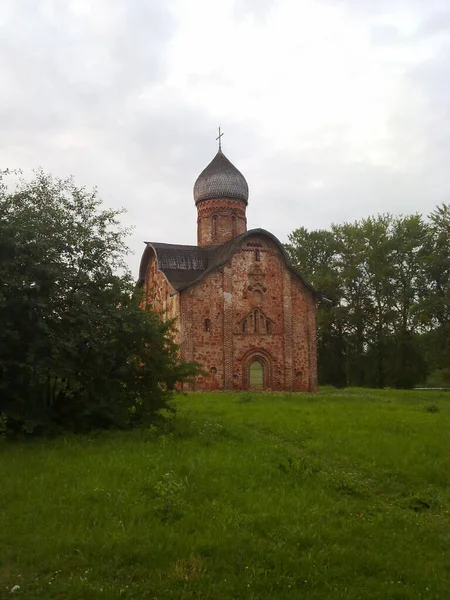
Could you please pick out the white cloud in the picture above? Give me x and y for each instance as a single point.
(303, 73)
(333, 109)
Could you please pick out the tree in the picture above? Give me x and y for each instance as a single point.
(407, 365)
(355, 298)
(389, 282)
(435, 305)
(314, 254)
(76, 349)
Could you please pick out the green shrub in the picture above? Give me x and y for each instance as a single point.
(79, 349)
(169, 493)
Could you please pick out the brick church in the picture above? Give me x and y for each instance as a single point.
(242, 311)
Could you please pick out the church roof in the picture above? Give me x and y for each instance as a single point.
(220, 179)
(185, 265)
(180, 264)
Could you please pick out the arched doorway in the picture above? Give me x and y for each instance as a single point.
(256, 370)
(256, 375)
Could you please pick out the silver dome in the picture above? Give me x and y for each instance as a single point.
(220, 179)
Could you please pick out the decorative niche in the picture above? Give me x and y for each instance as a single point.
(256, 322)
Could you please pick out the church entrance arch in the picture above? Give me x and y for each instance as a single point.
(257, 370)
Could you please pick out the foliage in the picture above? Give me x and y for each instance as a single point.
(211, 431)
(169, 492)
(333, 495)
(3, 425)
(76, 350)
(388, 279)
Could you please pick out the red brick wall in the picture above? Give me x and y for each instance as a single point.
(257, 289)
(304, 338)
(201, 302)
(220, 221)
(158, 293)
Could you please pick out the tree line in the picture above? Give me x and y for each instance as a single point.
(387, 279)
(77, 350)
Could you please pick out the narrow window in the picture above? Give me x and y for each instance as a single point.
(256, 318)
(234, 226)
(257, 255)
(214, 228)
(207, 325)
(262, 324)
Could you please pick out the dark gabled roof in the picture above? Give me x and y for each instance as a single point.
(220, 179)
(179, 263)
(180, 257)
(184, 266)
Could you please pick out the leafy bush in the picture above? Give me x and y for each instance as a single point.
(245, 397)
(169, 492)
(211, 431)
(3, 425)
(77, 350)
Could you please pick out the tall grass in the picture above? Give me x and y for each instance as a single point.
(339, 495)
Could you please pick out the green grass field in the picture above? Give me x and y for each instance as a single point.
(339, 495)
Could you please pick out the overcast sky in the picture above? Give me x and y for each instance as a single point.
(332, 109)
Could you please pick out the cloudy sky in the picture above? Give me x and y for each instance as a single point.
(332, 109)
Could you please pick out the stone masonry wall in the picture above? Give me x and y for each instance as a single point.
(304, 338)
(251, 308)
(220, 221)
(202, 330)
(158, 294)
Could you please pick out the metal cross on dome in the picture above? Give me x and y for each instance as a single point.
(220, 141)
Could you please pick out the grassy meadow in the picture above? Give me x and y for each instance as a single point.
(340, 495)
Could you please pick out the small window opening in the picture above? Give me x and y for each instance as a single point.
(256, 322)
(207, 325)
(257, 255)
(214, 227)
(234, 225)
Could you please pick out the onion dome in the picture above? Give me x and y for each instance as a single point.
(220, 179)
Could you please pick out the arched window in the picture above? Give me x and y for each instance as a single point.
(256, 322)
(207, 325)
(256, 375)
(233, 226)
(214, 227)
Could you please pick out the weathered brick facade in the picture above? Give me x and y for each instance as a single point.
(220, 220)
(237, 301)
